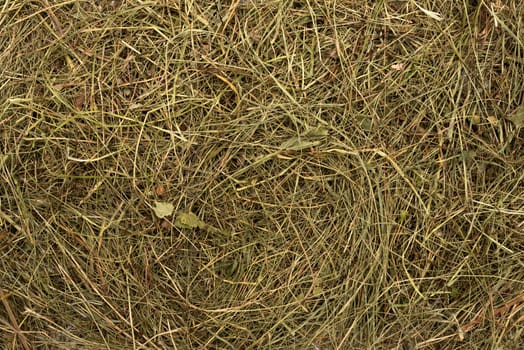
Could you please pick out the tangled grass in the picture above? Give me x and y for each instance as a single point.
(361, 163)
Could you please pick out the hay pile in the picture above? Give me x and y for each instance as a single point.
(343, 174)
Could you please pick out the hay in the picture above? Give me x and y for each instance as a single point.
(354, 169)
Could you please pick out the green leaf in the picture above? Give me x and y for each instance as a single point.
(163, 209)
(317, 291)
(296, 144)
(310, 138)
(316, 132)
(189, 220)
(518, 117)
